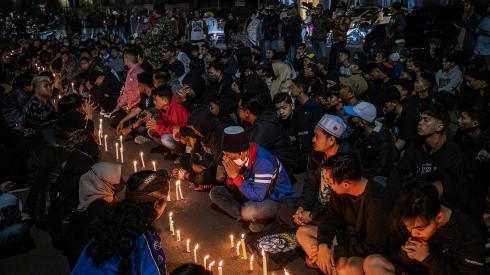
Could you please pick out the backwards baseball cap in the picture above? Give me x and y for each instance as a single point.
(364, 110)
(356, 83)
(235, 139)
(333, 125)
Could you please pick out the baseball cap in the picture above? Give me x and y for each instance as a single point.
(356, 83)
(333, 125)
(364, 110)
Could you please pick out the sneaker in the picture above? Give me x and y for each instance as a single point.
(257, 226)
(141, 139)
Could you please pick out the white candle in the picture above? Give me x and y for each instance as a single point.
(180, 190)
(231, 241)
(195, 252)
(171, 222)
(188, 246)
(177, 190)
(178, 236)
(172, 227)
(210, 267)
(105, 142)
(252, 262)
(264, 263)
(244, 249)
(100, 137)
(73, 86)
(122, 156)
(168, 195)
(142, 159)
(134, 165)
(205, 260)
(286, 272)
(117, 150)
(121, 141)
(220, 268)
(154, 165)
(238, 248)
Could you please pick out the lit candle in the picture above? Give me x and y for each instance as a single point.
(244, 249)
(73, 86)
(172, 227)
(59, 97)
(210, 267)
(177, 190)
(188, 246)
(231, 241)
(180, 190)
(170, 220)
(154, 166)
(168, 195)
(100, 126)
(121, 141)
(205, 260)
(142, 159)
(195, 252)
(105, 142)
(286, 272)
(178, 236)
(134, 165)
(220, 268)
(117, 150)
(238, 248)
(264, 263)
(121, 151)
(252, 262)
(100, 137)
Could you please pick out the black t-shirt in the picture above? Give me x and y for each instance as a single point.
(405, 126)
(146, 102)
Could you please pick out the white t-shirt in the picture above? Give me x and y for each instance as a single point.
(197, 30)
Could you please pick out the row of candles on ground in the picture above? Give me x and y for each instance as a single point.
(240, 245)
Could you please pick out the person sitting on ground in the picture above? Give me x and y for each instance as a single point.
(402, 120)
(377, 149)
(107, 92)
(137, 117)
(15, 236)
(267, 131)
(171, 114)
(255, 180)
(450, 77)
(305, 104)
(432, 157)
(311, 205)
(97, 194)
(428, 237)
(126, 239)
(39, 109)
(356, 215)
(298, 125)
(201, 164)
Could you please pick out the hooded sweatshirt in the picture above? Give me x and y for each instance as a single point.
(449, 81)
(198, 85)
(175, 115)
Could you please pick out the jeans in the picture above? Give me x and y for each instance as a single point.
(248, 211)
(319, 47)
(166, 140)
(14, 229)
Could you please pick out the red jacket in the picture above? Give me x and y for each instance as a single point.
(175, 115)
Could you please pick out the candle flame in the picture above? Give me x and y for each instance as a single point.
(170, 214)
(243, 236)
(252, 258)
(196, 247)
(220, 263)
(141, 153)
(206, 257)
(231, 236)
(211, 264)
(263, 253)
(286, 272)
(188, 241)
(105, 136)
(135, 162)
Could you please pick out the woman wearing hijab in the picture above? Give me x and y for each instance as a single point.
(126, 240)
(97, 194)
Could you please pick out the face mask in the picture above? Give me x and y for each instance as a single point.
(240, 162)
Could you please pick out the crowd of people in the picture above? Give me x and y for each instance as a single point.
(392, 151)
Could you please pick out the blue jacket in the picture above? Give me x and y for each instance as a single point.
(254, 182)
(147, 257)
